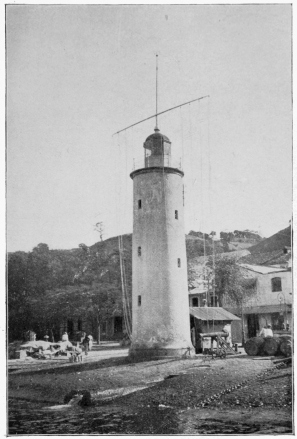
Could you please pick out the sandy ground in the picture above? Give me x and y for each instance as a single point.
(243, 391)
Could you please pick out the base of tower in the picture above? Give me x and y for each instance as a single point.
(158, 353)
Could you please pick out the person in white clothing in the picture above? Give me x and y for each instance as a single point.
(266, 331)
(90, 342)
(269, 332)
(65, 337)
(227, 329)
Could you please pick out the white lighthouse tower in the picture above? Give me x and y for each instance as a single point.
(160, 309)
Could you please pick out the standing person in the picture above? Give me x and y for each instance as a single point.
(193, 336)
(32, 336)
(85, 343)
(227, 330)
(52, 336)
(65, 336)
(263, 332)
(90, 341)
(82, 336)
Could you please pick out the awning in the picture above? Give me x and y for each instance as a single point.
(198, 290)
(267, 309)
(212, 313)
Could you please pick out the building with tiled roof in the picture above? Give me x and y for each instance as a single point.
(268, 273)
(272, 301)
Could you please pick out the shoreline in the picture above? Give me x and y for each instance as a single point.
(162, 397)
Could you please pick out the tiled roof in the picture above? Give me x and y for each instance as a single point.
(262, 269)
(212, 313)
(235, 254)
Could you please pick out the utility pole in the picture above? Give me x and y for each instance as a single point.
(242, 324)
(98, 326)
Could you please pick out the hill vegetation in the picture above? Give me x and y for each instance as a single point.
(47, 287)
(277, 241)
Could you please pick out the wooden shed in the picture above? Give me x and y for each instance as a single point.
(208, 319)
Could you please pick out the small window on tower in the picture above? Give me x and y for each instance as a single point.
(139, 300)
(178, 262)
(139, 204)
(139, 251)
(176, 214)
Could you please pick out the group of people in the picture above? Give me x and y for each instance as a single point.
(266, 331)
(86, 341)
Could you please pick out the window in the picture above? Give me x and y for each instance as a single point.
(195, 301)
(176, 214)
(139, 300)
(213, 300)
(178, 262)
(276, 284)
(139, 251)
(139, 204)
(104, 327)
(278, 320)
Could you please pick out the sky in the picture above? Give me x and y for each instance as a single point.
(77, 74)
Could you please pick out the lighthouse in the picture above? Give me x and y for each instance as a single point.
(160, 309)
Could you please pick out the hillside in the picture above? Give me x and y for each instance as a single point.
(234, 246)
(46, 286)
(194, 246)
(277, 241)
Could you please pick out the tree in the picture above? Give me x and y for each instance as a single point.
(39, 277)
(233, 285)
(227, 236)
(17, 295)
(45, 287)
(99, 227)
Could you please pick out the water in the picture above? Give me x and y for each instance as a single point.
(35, 418)
(32, 418)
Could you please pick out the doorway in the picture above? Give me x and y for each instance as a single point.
(118, 325)
(70, 326)
(253, 325)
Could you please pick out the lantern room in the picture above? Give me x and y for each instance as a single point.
(157, 150)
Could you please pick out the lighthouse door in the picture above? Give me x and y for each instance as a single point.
(118, 325)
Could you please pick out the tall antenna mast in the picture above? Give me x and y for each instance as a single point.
(156, 91)
(161, 112)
